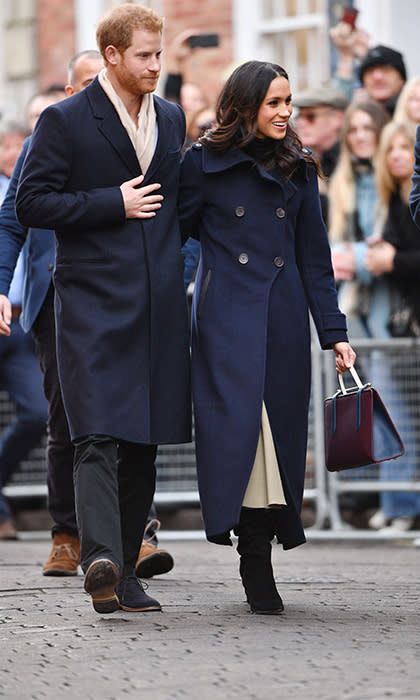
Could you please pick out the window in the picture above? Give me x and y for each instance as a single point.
(293, 33)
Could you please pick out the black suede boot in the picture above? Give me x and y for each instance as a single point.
(254, 546)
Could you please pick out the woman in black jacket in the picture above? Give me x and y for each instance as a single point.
(398, 250)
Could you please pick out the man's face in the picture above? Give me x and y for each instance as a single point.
(382, 82)
(318, 127)
(10, 148)
(192, 99)
(137, 69)
(38, 104)
(85, 70)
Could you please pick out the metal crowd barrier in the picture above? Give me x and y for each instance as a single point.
(392, 366)
(176, 475)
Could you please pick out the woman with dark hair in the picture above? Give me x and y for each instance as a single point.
(249, 193)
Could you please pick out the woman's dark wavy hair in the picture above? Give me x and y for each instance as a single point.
(236, 117)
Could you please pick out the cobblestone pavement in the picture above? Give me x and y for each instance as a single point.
(350, 630)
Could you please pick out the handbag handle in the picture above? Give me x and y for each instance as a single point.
(355, 377)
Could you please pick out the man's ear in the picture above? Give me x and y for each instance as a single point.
(69, 90)
(112, 55)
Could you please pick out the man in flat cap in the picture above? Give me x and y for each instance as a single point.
(319, 122)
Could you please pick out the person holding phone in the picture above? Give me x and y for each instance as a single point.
(249, 193)
(379, 70)
(189, 95)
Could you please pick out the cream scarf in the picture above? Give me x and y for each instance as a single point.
(144, 136)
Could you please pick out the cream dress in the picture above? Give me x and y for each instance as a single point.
(265, 489)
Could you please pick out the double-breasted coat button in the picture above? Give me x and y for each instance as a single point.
(243, 258)
(278, 261)
(280, 213)
(239, 211)
(50, 267)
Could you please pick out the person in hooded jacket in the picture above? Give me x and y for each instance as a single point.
(249, 193)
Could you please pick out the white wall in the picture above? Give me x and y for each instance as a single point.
(394, 23)
(87, 15)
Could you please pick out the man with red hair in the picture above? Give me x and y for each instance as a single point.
(95, 168)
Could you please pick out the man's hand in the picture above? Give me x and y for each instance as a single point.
(5, 315)
(139, 203)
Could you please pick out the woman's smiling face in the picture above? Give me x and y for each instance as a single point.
(275, 110)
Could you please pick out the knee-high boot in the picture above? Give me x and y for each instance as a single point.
(254, 547)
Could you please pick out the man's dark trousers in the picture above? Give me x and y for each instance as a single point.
(118, 479)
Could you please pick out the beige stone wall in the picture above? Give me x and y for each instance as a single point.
(37, 39)
(19, 56)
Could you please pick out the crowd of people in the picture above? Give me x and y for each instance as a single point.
(274, 214)
(366, 140)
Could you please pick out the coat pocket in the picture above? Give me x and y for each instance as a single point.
(203, 292)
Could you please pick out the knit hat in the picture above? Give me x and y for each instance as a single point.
(382, 56)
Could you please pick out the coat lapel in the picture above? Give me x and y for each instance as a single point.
(165, 128)
(110, 125)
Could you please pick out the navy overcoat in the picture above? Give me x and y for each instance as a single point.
(265, 262)
(121, 313)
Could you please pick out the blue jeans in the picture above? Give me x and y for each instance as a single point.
(20, 376)
(396, 504)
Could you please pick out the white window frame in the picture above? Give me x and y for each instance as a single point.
(252, 38)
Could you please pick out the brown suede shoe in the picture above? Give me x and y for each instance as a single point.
(152, 561)
(64, 556)
(7, 530)
(102, 577)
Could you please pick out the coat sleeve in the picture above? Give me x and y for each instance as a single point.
(415, 189)
(44, 198)
(313, 257)
(191, 194)
(401, 231)
(12, 233)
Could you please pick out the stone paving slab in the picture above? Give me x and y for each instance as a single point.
(350, 630)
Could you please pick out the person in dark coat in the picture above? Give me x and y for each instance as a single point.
(249, 193)
(92, 173)
(38, 316)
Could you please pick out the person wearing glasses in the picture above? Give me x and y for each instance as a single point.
(318, 124)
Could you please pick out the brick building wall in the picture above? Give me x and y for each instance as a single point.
(206, 67)
(55, 40)
(40, 38)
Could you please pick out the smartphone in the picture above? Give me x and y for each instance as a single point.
(350, 16)
(203, 41)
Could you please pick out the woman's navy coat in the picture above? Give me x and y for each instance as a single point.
(121, 312)
(265, 258)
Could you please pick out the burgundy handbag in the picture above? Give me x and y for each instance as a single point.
(358, 429)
